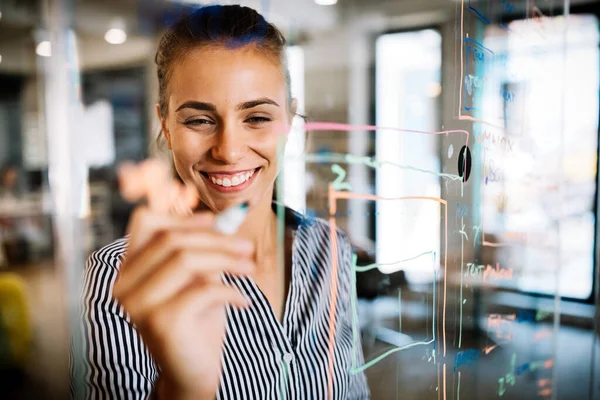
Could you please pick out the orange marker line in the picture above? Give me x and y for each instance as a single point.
(445, 276)
(444, 381)
(488, 349)
(481, 121)
(462, 67)
(334, 272)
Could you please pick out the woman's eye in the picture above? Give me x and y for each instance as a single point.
(258, 119)
(197, 122)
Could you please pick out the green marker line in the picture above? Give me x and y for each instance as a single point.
(355, 329)
(354, 371)
(280, 252)
(280, 208)
(284, 380)
(434, 290)
(370, 162)
(399, 310)
(476, 230)
(369, 267)
(462, 257)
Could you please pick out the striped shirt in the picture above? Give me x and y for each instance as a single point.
(262, 357)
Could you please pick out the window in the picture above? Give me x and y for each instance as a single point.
(408, 84)
(558, 159)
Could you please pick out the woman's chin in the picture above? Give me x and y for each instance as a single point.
(218, 203)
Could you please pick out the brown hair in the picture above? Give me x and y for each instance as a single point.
(230, 26)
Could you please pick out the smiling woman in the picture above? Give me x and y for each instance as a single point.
(178, 311)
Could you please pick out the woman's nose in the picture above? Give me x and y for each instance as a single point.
(229, 146)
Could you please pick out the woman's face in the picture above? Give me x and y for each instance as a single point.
(227, 109)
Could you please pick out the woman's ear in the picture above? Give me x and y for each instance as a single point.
(163, 127)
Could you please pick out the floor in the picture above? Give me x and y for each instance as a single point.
(416, 373)
(44, 377)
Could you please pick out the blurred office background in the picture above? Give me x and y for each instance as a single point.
(386, 62)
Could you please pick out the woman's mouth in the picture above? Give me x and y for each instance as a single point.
(230, 182)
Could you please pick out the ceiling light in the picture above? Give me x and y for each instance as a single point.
(43, 49)
(115, 36)
(326, 2)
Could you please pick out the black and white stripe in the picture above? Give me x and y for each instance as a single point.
(262, 358)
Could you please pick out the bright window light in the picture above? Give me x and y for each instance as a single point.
(294, 169)
(533, 72)
(408, 231)
(326, 2)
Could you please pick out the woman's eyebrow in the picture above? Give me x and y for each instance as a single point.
(197, 105)
(254, 103)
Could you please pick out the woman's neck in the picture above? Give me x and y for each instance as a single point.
(261, 228)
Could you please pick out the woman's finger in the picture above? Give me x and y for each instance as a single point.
(187, 268)
(131, 186)
(166, 244)
(151, 180)
(159, 190)
(191, 303)
(185, 201)
(190, 196)
(144, 224)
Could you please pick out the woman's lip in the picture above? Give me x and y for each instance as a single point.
(241, 171)
(228, 174)
(231, 189)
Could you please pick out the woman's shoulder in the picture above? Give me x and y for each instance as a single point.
(109, 256)
(319, 233)
(321, 227)
(101, 271)
(311, 227)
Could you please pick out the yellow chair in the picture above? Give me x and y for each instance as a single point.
(15, 323)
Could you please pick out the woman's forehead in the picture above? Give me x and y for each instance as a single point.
(220, 74)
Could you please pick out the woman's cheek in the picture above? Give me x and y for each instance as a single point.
(184, 162)
(269, 142)
(186, 146)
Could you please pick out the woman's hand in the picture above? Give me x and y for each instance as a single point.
(170, 285)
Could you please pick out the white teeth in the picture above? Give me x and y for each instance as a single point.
(233, 181)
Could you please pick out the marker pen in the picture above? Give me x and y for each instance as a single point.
(230, 220)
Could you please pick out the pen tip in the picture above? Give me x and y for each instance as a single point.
(245, 205)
